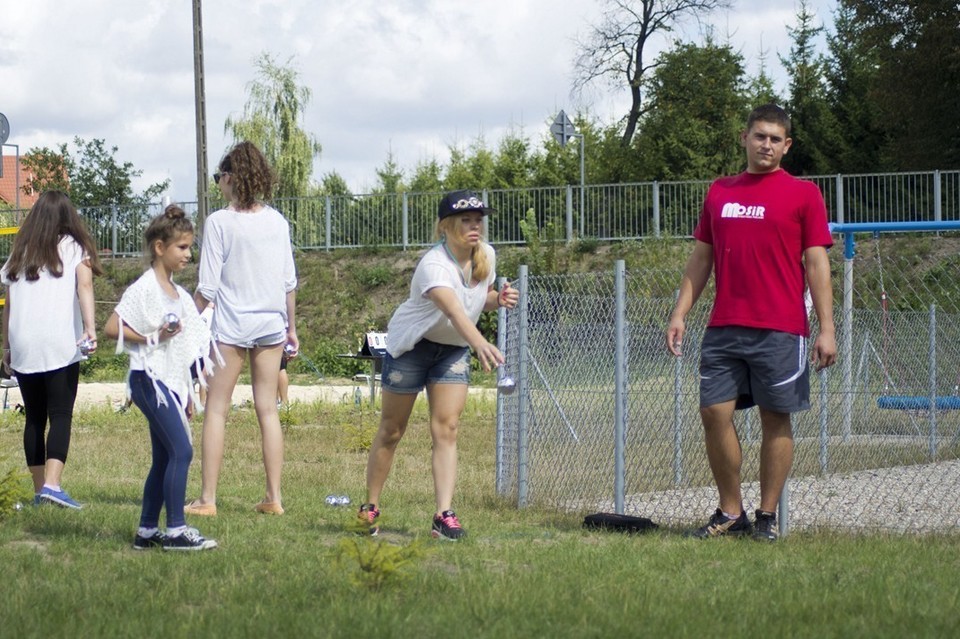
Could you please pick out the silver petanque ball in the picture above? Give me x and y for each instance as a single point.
(289, 349)
(85, 346)
(506, 385)
(18, 506)
(343, 500)
(331, 500)
(172, 322)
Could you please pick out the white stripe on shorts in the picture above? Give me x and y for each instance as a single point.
(801, 362)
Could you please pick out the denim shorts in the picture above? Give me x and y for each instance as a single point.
(427, 363)
(267, 340)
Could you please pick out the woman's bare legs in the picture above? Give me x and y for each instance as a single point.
(37, 475)
(264, 377)
(446, 406)
(394, 415)
(219, 397)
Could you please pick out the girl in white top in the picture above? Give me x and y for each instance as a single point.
(247, 271)
(158, 325)
(428, 346)
(49, 312)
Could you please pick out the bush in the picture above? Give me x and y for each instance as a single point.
(586, 246)
(373, 276)
(12, 492)
(378, 562)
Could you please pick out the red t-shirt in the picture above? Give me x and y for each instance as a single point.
(759, 225)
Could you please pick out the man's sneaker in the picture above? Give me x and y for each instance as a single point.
(367, 516)
(58, 497)
(720, 525)
(447, 526)
(765, 527)
(146, 543)
(189, 539)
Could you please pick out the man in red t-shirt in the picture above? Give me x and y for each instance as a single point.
(764, 235)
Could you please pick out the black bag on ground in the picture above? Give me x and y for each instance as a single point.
(621, 523)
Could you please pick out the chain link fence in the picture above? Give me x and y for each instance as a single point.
(605, 419)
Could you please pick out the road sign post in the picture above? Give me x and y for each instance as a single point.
(4, 134)
(562, 130)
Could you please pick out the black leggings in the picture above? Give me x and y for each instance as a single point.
(50, 394)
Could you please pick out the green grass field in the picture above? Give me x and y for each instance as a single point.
(530, 573)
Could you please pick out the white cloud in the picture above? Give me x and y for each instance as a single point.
(411, 76)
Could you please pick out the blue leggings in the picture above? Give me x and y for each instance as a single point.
(172, 453)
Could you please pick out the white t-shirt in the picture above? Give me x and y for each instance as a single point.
(45, 320)
(246, 268)
(419, 318)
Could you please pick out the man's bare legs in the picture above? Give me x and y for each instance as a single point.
(726, 457)
(724, 454)
(776, 457)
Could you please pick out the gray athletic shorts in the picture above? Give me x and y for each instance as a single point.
(755, 366)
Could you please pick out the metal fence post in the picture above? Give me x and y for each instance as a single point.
(937, 202)
(846, 336)
(113, 225)
(502, 345)
(406, 222)
(620, 386)
(784, 508)
(933, 381)
(678, 414)
(328, 215)
(569, 215)
(656, 209)
(840, 211)
(824, 424)
(523, 390)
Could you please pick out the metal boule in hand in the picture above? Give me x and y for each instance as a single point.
(505, 383)
(85, 346)
(172, 322)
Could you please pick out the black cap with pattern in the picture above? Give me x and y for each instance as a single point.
(461, 202)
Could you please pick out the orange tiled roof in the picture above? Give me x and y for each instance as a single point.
(8, 183)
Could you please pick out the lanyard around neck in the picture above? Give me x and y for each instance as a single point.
(466, 274)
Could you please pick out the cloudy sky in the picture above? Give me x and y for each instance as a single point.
(409, 76)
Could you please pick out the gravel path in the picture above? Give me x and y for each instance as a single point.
(923, 498)
(113, 394)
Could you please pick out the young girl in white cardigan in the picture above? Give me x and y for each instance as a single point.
(158, 324)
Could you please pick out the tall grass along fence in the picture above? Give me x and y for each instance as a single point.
(604, 418)
(609, 212)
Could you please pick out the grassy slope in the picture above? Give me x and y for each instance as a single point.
(346, 293)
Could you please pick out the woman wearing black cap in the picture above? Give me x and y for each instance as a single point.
(429, 339)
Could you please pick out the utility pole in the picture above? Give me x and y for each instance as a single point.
(200, 107)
